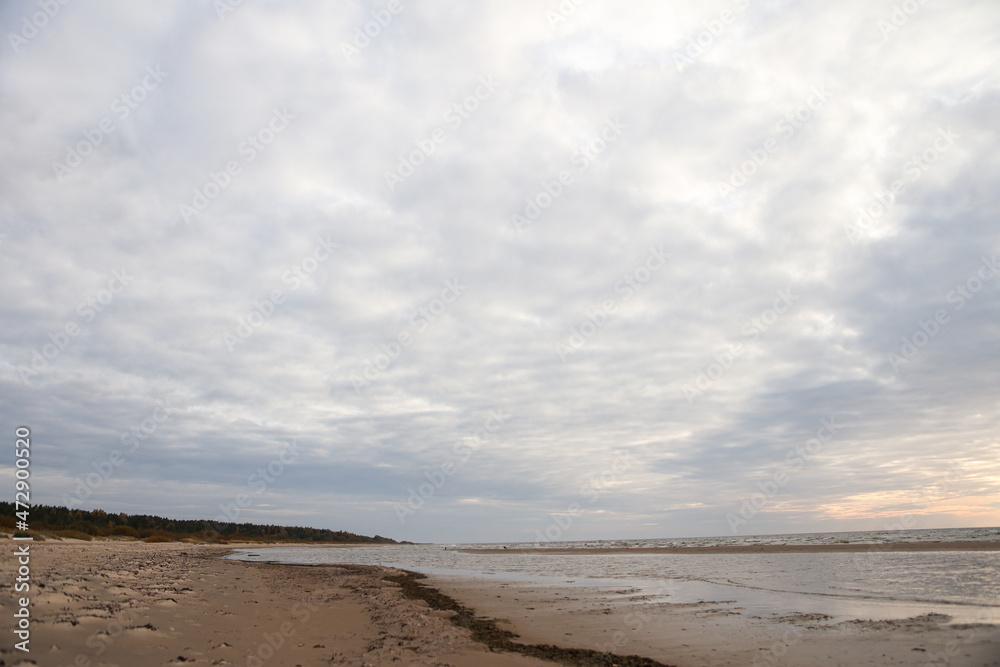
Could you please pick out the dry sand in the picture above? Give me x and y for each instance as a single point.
(131, 603)
(136, 604)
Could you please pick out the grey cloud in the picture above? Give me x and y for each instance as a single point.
(495, 347)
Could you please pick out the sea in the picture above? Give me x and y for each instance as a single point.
(869, 584)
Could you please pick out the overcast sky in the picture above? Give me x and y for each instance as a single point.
(503, 269)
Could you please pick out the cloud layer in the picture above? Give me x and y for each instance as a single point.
(696, 269)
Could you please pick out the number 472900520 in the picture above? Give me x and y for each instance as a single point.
(22, 453)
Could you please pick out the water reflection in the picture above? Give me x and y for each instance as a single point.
(843, 586)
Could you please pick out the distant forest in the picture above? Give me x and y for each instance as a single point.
(83, 524)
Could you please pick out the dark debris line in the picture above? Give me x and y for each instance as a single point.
(486, 631)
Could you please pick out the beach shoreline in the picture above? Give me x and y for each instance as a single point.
(116, 602)
(750, 548)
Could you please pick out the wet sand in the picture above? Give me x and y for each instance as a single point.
(623, 621)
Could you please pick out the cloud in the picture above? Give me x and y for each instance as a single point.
(350, 273)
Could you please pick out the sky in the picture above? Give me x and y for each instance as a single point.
(505, 270)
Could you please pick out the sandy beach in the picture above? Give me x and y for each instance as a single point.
(710, 634)
(132, 603)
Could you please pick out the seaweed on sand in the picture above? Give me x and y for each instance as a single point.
(495, 638)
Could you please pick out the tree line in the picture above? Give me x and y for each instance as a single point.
(65, 522)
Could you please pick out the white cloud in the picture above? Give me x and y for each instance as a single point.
(495, 346)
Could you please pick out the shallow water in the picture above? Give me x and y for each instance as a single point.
(865, 585)
(857, 537)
